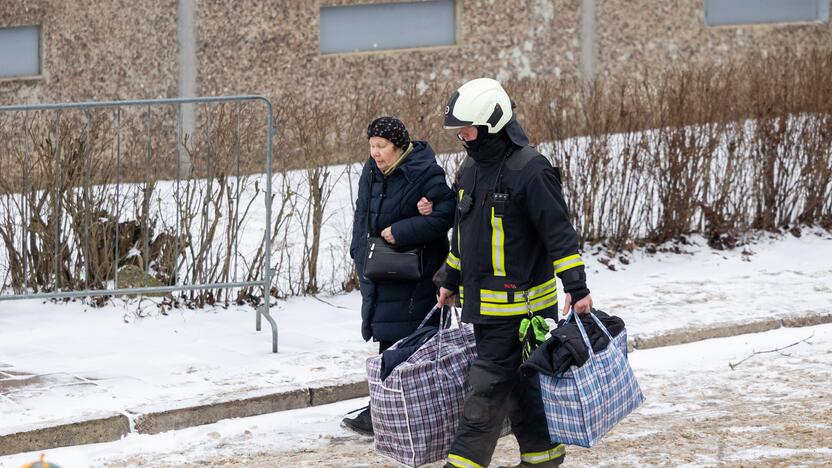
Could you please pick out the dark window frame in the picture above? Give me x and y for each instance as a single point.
(329, 15)
(39, 37)
(758, 15)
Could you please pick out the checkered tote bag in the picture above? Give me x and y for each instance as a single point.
(587, 401)
(416, 409)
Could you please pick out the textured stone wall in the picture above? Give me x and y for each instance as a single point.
(96, 50)
(122, 49)
(272, 47)
(634, 34)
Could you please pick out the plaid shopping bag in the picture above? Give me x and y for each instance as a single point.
(416, 409)
(587, 401)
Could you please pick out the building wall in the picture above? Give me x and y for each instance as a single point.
(674, 32)
(272, 47)
(122, 49)
(115, 49)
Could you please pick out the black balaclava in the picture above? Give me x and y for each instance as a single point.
(488, 147)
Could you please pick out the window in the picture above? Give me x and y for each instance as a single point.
(382, 26)
(19, 51)
(731, 12)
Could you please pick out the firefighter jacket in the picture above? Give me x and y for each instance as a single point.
(511, 237)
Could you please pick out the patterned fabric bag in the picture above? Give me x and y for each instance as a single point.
(416, 409)
(587, 401)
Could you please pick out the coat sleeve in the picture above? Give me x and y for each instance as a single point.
(418, 230)
(549, 214)
(359, 221)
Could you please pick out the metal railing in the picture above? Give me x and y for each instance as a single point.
(69, 170)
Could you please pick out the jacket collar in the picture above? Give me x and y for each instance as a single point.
(414, 165)
(399, 161)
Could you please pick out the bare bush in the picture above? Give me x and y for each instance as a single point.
(714, 149)
(85, 195)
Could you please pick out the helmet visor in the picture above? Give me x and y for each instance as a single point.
(451, 121)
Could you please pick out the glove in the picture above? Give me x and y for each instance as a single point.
(532, 334)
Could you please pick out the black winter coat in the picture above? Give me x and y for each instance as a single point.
(514, 239)
(391, 310)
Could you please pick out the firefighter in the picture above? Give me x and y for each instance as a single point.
(511, 238)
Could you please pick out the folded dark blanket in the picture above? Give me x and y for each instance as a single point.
(405, 348)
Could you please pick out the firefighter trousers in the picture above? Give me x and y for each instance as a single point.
(500, 390)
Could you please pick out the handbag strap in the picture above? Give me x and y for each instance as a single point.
(370, 195)
(369, 199)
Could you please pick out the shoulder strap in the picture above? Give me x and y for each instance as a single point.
(466, 164)
(520, 158)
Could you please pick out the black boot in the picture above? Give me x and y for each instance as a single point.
(362, 423)
(547, 464)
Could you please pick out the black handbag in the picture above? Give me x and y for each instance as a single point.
(388, 262)
(383, 261)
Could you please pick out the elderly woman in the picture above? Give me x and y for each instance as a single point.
(404, 198)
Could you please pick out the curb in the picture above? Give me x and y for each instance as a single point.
(153, 421)
(689, 335)
(105, 428)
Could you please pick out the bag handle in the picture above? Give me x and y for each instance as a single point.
(430, 314)
(439, 348)
(573, 314)
(459, 326)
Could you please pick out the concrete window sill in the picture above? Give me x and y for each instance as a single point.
(10, 79)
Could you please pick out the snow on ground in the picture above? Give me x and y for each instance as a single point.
(775, 277)
(69, 361)
(774, 409)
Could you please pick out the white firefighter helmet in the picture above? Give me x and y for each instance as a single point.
(482, 101)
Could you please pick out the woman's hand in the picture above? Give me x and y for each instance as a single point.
(424, 206)
(387, 234)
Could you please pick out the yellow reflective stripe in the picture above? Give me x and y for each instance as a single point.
(498, 260)
(543, 289)
(503, 309)
(519, 308)
(566, 263)
(493, 296)
(535, 458)
(534, 292)
(462, 462)
(453, 261)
